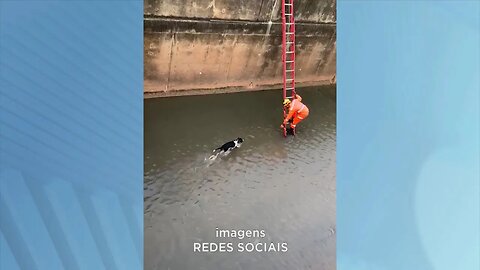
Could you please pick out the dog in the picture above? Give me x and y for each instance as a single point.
(230, 145)
(226, 147)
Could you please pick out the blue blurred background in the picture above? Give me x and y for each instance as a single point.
(71, 135)
(408, 135)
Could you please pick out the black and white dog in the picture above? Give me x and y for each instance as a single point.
(227, 147)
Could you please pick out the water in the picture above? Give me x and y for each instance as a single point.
(285, 186)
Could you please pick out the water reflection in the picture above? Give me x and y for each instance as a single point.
(283, 185)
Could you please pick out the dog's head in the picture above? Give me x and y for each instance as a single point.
(239, 140)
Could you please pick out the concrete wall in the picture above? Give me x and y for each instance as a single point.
(320, 11)
(208, 44)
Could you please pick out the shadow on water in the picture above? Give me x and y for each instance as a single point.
(283, 185)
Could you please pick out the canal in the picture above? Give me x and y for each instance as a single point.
(285, 186)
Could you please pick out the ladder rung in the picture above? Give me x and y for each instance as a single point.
(289, 80)
(290, 33)
(288, 14)
(288, 4)
(290, 52)
(289, 88)
(290, 70)
(290, 61)
(289, 23)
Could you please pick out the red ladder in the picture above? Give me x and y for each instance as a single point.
(288, 52)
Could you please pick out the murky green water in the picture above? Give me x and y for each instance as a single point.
(285, 186)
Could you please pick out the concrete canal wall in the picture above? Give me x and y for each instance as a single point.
(233, 44)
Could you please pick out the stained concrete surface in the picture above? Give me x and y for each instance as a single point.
(188, 46)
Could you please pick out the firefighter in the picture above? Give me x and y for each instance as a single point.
(296, 111)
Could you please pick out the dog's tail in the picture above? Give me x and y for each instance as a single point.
(214, 156)
(215, 153)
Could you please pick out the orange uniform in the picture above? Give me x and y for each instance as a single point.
(298, 111)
